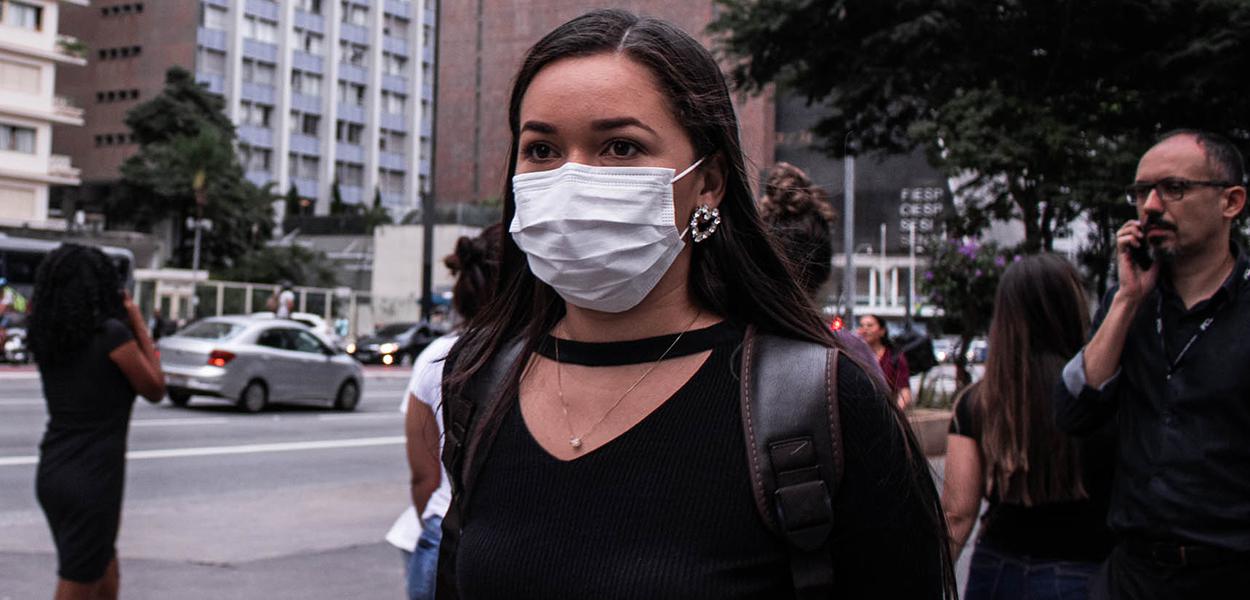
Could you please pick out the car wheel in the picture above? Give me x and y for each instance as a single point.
(179, 399)
(254, 397)
(348, 397)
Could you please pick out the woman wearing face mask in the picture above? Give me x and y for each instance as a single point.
(610, 461)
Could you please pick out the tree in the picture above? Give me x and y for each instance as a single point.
(377, 215)
(337, 206)
(962, 279)
(186, 142)
(1042, 106)
(274, 264)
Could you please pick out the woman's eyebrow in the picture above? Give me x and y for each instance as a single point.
(619, 122)
(539, 127)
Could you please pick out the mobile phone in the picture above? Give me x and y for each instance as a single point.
(1142, 255)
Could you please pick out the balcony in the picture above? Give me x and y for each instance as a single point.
(306, 62)
(256, 136)
(395, 121)
(395, 83)
(262, 8)
(213, 39)
(353, 74)
(71, 49)
(213, 82)
(349, 152)
(395, 45)
(354, 33)
(398, 8)
(306, 103)
(305, 144)
(64, 107)
(258, 92)
(354, 113)
(309, 21)
(259, 178)
(260, 50)
(393, 160)
(59, 166)
(305, 186)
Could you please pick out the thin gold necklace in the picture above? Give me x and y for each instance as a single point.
(576, 440)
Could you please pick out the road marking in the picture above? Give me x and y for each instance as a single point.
(22, 402)
(242, 449)
(360, 417)
(178, 422)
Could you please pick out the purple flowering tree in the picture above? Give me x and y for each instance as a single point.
(962, 279)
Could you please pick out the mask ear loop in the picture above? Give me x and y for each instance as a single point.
(696, 164)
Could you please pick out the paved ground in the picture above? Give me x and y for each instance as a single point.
(291, 503)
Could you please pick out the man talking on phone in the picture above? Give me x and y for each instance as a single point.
(1169, 361)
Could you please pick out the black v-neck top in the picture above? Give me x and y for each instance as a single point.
(666, 509)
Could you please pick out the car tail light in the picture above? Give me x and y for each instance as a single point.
(219, 358)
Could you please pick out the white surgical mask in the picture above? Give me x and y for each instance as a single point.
(602, 237)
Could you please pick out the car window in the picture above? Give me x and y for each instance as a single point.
(394, 329)
(274, 338)
(307, 342)
(211, 330)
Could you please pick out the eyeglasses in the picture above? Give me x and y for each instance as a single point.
(1171, 189)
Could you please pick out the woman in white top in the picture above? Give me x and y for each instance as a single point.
(475, 263)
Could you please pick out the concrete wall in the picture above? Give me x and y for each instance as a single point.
(397, 260)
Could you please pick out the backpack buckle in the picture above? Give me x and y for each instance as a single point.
(802, 503)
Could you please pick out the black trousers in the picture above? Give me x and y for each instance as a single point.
(1129, 576)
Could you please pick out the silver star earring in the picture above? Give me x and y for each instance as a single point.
(703, 223)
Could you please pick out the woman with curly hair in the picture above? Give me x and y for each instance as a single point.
(94, 354)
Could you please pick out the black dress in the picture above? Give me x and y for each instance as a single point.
(666, 510)
(82, 459)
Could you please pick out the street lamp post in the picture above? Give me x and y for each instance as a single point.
(848, 231)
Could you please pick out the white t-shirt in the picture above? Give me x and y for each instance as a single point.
(286, 302)
(427, 385)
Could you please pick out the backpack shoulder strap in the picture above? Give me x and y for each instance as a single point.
(794, 448)
(464, 439)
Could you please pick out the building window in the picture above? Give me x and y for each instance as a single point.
(260, 30)
(255, 159)
(255, 114)
(258, 72)
(393, 103)
(308, 84)
(303, 167)
(395, 26)
(214, 17)
(22, 15)
(15, 138)
(353, 54)
(116, 95)
(426, 148)
(306, 124)
(122, 9)
(349, 173)
(122, 52)
(312, 6)
(351, 93)
(350, 133)
(391, 182)
(310, 42)
(212, 62)
(354, 14)
(427, 36)
(393, 64)
(391, 141)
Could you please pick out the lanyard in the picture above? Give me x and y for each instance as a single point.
(1206, 324)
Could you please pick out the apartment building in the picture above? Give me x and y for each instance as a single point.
(30, 51)
(321, 91)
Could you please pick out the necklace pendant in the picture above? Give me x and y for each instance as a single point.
(576, 443)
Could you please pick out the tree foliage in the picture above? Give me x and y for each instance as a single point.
(274, 264)
(962, 279)
(1041, 106)
(181, 132)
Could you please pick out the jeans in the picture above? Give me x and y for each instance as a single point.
(996, 575)
(423, 566)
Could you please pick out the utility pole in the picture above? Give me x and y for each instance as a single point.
(427, 199)
(911, 270)
(848, 232)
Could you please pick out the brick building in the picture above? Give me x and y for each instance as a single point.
(481, 44)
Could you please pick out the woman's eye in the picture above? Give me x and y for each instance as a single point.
(539, 151)
(622, 149)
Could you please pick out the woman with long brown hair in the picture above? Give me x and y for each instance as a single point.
(604, 454)
(1044, 532)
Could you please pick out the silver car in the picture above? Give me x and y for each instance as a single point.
(257, 361)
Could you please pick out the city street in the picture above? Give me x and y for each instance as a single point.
(290, 503)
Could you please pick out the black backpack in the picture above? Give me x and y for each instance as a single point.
(791, 424)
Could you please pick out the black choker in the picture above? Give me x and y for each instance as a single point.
(632, 352)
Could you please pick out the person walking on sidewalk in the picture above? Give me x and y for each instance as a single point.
(94, 353)
(1044, 533)
(874, 331)
(1167, 364)
(597, 405)
(475, 265)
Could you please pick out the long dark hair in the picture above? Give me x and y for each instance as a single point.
(76, 289)
(799, 215)
(475, 265)
(1040, 321)
(885, 331)
(738, 273)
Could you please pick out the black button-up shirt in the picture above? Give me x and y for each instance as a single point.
(1183, 467)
